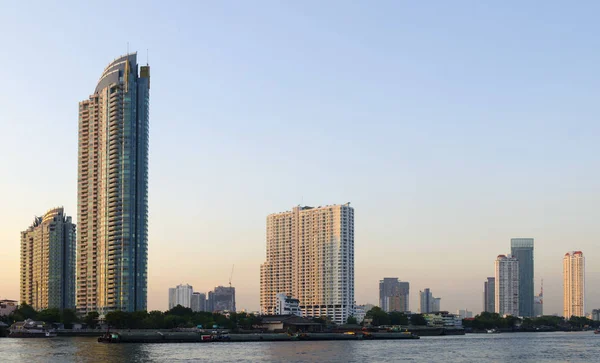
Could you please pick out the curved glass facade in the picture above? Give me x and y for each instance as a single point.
(113, 190)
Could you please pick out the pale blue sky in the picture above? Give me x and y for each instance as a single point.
(450, 126)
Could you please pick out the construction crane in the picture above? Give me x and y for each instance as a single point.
(231, 275)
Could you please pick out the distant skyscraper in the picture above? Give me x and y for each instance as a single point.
(48, 262)
(310, 256)
(393, 294)
(198, 302)
(538, 302)
(573, 284)
(180, 295)
(463, 314)
(222, 299)
(507, 285)
(489, 295)
(522, 249)
(428, 303)
(113, 191)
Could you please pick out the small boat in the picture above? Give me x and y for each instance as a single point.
(493, 331)
(596, 331)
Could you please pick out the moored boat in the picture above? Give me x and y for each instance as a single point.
(31, 329)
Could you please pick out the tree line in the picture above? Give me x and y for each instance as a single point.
(487, 320)
(178, 317)
(380, 317)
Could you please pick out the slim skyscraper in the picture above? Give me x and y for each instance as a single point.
(393, 294)
(489, 295)
(112, 242)
(48, 262)
(573, 284)
(310, 257)
(198, 301)
(507, 285)
(522, 249)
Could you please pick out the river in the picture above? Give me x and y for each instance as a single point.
(507, 347)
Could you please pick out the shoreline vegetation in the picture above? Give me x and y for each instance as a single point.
(184, 319)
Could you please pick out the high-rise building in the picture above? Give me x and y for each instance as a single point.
(428, 303)
(198, 301)
(310, 256)
(112, 200)
(393, 294)
(489, 295)
(507, 285)
(221, 299)
(573, 284)
(48, 262)
(522, 249)
(180, 295)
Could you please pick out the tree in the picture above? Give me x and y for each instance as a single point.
(379, 316)
(68, 317)
(118, 319)
(351, 320)
(91, 319)
(49, 315)
(23, 312)
(418, 319)
(398, 318)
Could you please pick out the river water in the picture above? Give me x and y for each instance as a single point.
(507, 347)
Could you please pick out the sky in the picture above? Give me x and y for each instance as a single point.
(451, 127)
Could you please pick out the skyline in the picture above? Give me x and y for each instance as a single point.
(451, 131)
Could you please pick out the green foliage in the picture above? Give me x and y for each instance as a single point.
(398, 318)
(91, 319)
(24, 312)
(379, 316)
(68, 317)
(49, 315)
(417, 319)
(351, 320)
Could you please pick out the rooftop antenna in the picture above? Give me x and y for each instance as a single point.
(127, 48)
(147, 57)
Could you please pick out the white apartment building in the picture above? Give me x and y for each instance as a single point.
(180, 295)
(310, 255)
(286, 305)
(507, 285)
(573, 284)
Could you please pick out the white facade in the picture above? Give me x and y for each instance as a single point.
(507, 285)
(443, 319)
(359, 313)
(287, 305)
(573, 284)
(180, 295)
(310, 256)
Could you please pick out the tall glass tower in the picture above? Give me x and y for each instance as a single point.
(112, 193)
(522, 249)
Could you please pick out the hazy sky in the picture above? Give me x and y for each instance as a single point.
(451, 126)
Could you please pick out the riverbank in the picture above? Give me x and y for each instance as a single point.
(193, 337)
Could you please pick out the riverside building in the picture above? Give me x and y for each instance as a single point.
(507, 285)
(522, 250)
(573, 284)
(428, 303)
(489, 295)
(393, 294)
(181, 295)
(48, 262)
(112, 198)
(310, 256)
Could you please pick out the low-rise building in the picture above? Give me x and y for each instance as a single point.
(289, 323)
(443, 319)
(359, 313)
(286, 305)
